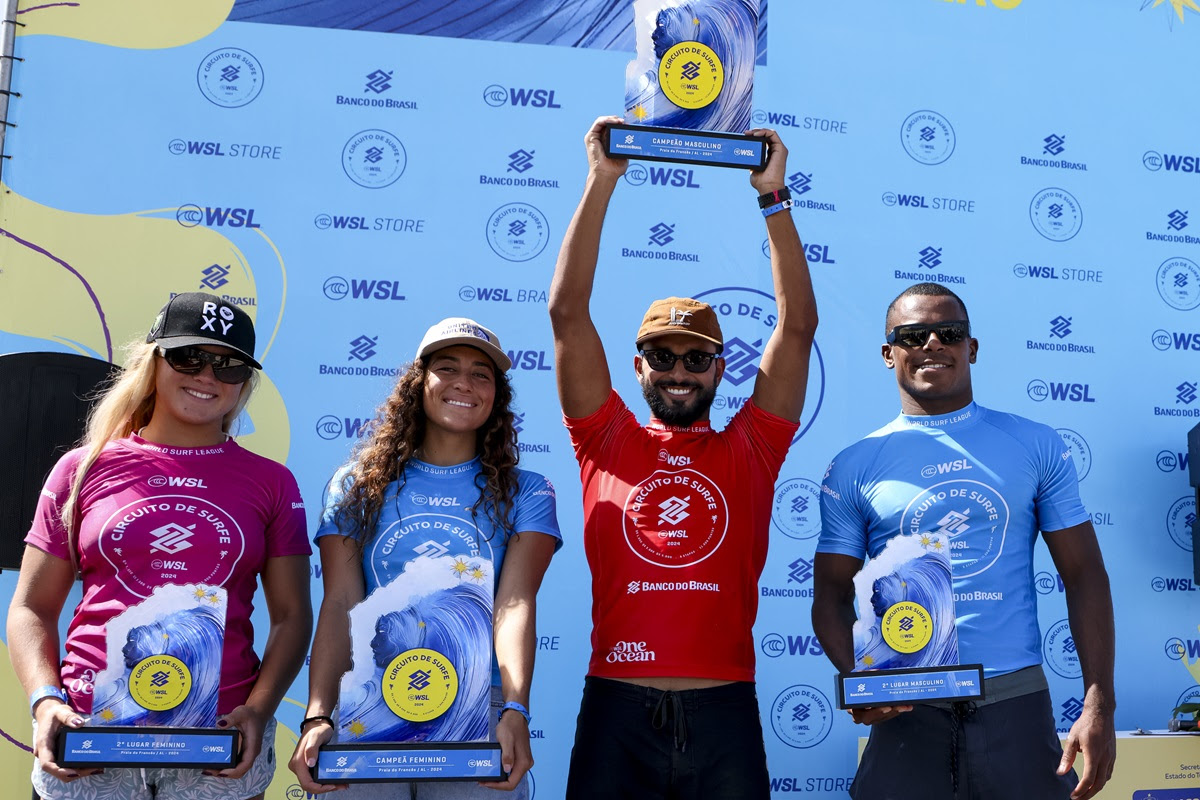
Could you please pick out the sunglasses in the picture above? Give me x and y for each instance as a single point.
(664, 360)
(191, 360)
(917, 335)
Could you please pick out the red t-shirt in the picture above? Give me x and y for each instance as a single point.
(150, 515)
(676, 524)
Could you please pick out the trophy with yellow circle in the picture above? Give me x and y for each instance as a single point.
(416, 703)
(688, 94)
(905, 641)
(155, 702)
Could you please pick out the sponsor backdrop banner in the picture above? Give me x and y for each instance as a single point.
(351, 176)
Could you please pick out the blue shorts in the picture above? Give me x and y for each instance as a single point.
(999, 750)
(640, 743)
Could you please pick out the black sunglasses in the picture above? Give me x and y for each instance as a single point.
(664, 360)
(917, 335)
(191, 360)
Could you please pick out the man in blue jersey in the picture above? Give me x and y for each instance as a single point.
(990, 481)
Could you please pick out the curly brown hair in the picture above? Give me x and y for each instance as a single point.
(395, 434)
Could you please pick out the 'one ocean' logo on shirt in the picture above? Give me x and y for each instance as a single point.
(972, 515)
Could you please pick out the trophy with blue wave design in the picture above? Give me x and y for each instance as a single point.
(155, 702)
(905, 642)
(415, 704)
(688, 94)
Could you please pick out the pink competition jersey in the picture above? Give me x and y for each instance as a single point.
(675, 531)
(152, 515)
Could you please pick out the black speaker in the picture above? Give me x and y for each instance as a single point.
(1194, 478)
(44, 405)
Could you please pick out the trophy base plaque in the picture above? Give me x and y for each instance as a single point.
(381, 762)
(890, 687)
(120, 746)
(682, 146)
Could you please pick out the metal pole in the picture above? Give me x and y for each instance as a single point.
(8, 35)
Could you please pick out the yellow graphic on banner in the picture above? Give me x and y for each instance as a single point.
(105, 293)
(907, 627)
(135, 24)
(1179, 5)
(691, 75)
(420, 685)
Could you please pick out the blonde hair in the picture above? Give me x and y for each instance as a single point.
(124, 407)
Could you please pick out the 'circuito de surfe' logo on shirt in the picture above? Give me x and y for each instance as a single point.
(160, 683)
(907, 627)
(420, 685)
(691, 75)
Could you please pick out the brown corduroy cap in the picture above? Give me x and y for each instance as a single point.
(681, 315)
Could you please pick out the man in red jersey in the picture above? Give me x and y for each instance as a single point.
(676, 515)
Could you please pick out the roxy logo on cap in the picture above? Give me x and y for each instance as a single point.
(681, 318)
(211, 316)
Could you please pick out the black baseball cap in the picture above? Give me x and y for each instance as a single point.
(195, 318)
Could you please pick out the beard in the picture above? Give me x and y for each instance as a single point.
(678, 414)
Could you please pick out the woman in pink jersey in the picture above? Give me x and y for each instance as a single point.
(158, 495)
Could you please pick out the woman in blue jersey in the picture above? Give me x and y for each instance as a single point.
(436, 477)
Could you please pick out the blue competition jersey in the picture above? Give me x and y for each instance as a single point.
(432, 518)
(987, 480)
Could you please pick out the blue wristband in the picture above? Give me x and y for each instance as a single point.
(517, 707)
(44, 692)
(775, 209)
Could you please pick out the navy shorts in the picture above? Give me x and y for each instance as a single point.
(1004, 750)
(641, 743)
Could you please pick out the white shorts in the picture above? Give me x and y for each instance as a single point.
(163, 784)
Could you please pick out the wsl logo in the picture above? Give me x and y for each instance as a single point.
(1060, 330)
(331, 427)
(1177, 221)
(774, 645)
(1056, 214)
(1048, 273)
(1059, 651)
(1176, 648)
(929, 203)
(802, 183)
(517, 232)
(813, 253)
(230, 77)
(1165, 340)
(659, 236)
(1080, 451)
(519, 162)
(797, 508)
(338, 288)
(1040, 390)
(193, 147)
(497, 96)
(801, 716)
(1178, 281)
(748, 318)
(214, 277)
(1156, 161)
(799, 572)
(929, 258)
(531, 360)
(1185, 396)
(639, 174)
(502, 294)
(191, 215)
(378, 82)
(776, 119)
(1171, 461)
(360, 224)
(1048, 583)
(1181, 521)
(374, 158)
(528, 447)
(1053, 147)
(928, 137)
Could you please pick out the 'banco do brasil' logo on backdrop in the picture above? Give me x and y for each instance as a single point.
(496, 96)
(928, 137)
(1056, 214)
(1081, 452)
(930, 258)
(748, 317)
(1176, 222)
(519, 162)
(230, 77)
(374, 158)
(798, 572)
(376, 84)
(1059, 329)
(1053, 147)
(801, 183)
(801, 716)
(1178, 281)
(517, 232)
(1185, 396)
(658, 236)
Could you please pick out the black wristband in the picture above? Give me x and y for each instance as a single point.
(317, 718)
(774, 198)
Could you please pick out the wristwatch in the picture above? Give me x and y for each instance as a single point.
(44, 692)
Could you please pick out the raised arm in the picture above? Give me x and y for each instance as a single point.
(584, 382)
(1077, 558)
(783, 371)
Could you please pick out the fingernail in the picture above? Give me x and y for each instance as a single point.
(221, 723)
(312, 762)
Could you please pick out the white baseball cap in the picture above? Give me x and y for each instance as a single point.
(460, 330)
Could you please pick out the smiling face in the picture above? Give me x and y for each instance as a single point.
(192, 405)
(935, 378)
(676, 396)
(460, 389)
